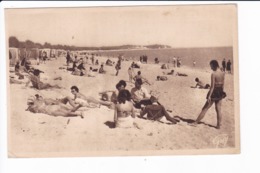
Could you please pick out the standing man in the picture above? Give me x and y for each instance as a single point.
(118, 66)
(229, 66)
(68, 59)
(224, 65)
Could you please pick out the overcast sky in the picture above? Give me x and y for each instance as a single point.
(177, 26)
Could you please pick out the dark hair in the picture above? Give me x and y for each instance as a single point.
(153, 99)
(123, 96)
(75, 88)
(139, 72)
(214, 64)
(120, 83)
(36, 72)
(197, 79)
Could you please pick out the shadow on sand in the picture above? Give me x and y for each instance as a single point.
(110, 124)
(190, 121)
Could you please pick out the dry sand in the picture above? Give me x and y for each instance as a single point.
(40, 135)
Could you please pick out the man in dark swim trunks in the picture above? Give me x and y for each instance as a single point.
(215, 94)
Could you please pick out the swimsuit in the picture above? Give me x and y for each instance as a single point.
(217, 93)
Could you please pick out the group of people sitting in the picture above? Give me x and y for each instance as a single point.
(79, 69)
(128, 103)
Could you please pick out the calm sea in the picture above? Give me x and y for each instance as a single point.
(202, 56)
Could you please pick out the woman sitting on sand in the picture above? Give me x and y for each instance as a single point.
(101, 69)
(124, 110)
(215, 94)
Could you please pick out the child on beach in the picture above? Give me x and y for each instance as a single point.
(215, 94)
(139, 76)
(131, 74)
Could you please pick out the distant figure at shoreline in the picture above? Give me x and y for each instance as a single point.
(229, 66)
(68, 58)
(224, 65)
(156, 60)
(118, 66)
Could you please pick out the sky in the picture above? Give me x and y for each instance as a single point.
(176, 26)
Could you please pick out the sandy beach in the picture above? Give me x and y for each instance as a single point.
(41, 135)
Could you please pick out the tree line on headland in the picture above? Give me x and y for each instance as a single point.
(14, 42)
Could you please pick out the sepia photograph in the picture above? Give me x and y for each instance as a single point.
(122, 81)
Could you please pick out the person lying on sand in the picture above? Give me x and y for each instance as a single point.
(124, 110)
(139, 76)
(156, 112)
(181, 74)
(78, 97)
(161, 78)
(135, 65)
(200, 84)
(34, 78)
(169, 73)
(215, 94)
(140, 95)
(39, 105)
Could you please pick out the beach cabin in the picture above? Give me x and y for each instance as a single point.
(13, 56)
(33, 54)
(48, 52)
(54, 53)
(61, 53)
